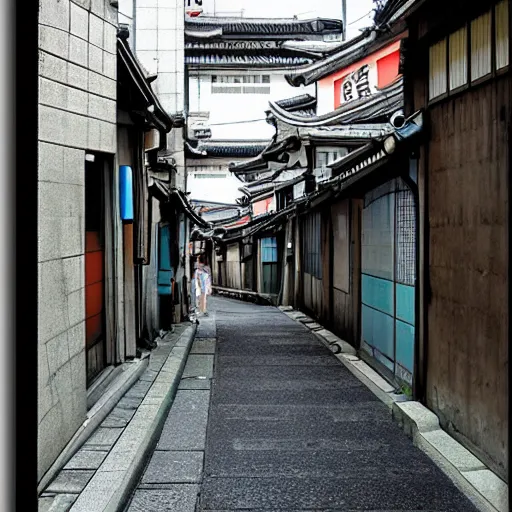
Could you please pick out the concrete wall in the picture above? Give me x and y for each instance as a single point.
(77, 112)
(221, 185)
(160, 47)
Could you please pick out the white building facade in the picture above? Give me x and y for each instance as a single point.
(234, 68)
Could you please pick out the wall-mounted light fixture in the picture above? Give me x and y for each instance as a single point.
(390, 145)
(89, 157)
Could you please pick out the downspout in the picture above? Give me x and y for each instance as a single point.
(417, 386)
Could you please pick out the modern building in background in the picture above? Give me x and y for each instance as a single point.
(234, 67)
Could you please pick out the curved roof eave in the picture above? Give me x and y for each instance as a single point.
(348, 53)
(388, 99)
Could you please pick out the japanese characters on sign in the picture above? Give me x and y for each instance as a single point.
(358, 84)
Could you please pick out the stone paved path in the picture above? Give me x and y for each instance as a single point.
(287, 428)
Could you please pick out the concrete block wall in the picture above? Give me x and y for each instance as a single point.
(77, 112)
(160, 47)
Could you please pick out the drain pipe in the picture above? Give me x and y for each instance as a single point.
(411, 182)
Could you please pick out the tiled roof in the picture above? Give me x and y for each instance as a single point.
(233, 149)
(371, 108)
(273, 27)
(245, 60)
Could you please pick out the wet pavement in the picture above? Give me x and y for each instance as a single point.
(281, 426)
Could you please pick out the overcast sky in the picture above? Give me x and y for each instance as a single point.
(302, 8)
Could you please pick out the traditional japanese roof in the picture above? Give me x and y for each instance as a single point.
(316, 49)
(274, 152)
(131, 67)
(256, 42)
(393, 10)
(303, 105)
(225, 148)
(270, 28)
(351, 132)
(375, 150)
(244, 60)
(380, 105)
(347, 53)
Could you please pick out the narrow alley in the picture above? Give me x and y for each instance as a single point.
(286, 427)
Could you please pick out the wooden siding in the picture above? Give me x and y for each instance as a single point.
(467, 380)
(233, 277)
(346, 314)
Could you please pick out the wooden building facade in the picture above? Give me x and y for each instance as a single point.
(457, 70)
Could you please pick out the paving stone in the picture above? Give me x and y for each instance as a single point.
(103, 439)
(86, 459)
(195, 384)
(177, 498)
(138, 390)
(185, 428)
(149, 375)
(99, 491)
(70, 481)
(203, 346)
(129, 403)
(168, 467)
(59, 503)
(44, 503)
(199, 366)
(118, 418)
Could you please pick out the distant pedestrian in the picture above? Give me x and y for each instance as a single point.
(203, 277)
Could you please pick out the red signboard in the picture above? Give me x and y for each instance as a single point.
(365, 77)
(263, 206)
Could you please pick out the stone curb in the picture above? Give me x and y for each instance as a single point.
(111, 486)
(130, 373)
(471, 476)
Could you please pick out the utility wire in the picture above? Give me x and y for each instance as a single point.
(237, 122)
(359, 19)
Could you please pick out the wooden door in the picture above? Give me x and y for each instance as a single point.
(95, 338)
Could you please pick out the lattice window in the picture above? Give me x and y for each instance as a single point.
(481, 42)
(405, 237)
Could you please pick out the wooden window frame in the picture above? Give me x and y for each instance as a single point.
(504, 69)
(463, 87)
(470, 84)
(491, 74)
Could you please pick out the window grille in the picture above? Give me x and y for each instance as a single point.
(405, 237)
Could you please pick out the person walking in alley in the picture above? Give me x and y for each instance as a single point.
(203, 282)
